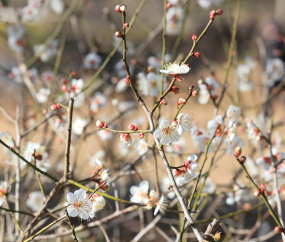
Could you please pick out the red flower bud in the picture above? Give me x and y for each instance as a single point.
(194, 37)
(237, 151)
(127, 81)
(133, 127)
(64, 88)
(168, 5)
(129, 77)
(118, 34)
(197, 54)
(64, 81)
(141, 135)
(180, 78)
(278, 229)
(175, 89)
(195, 93)
(163, 101)
(181, 101)
(219, 12)
(11, 75)
(101, 124)
(257, 193)
(118, 9)
(126, 25)
(242, 159)
(262, 187)
(55, 107)
(73, 73)
(212, 14)
(39, 157)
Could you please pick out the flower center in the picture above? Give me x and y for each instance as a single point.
(2, 192)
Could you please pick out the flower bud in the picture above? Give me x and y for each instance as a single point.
(219, 12)
(175, 90)
(118, 9)
(44, 112)
(150, 69)
(246, 206)
(127, 81)
(55, 107)
(148, 206)
(123, 8)
(64, 81)
(101, 124)
(197, 54)
(133, 127)
(278, 229)
(11, 75)
(126, 25)
(118, 34)
(212, 14)
(168, 5)
(134, 62)
(257, 193)
(195, 93)
(242, 159)
(105, 187)
(64, 88)
(73, 73)
(39, 157)
(200, 82)
(141, 135)
(262, 187)
(180, 78)
(164, 101)
(237, 151)
(194, 37)
(181, 101)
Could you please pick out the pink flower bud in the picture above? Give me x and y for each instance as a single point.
(278, 229)
(148, 206)
(39, 157)
(197, 54)
(118, 34)
(195, 93)
(125, 136)
(262, 187)
(64, 81)
(257, 193)
(73, 73)
(133, 127)
(127, 81)
(150, 69)
(141, 135)
(181, 101)
(237, 151)
(55, 107)
(175, 89)
(212, 14)
(164, 101)
(194, 37)
(101, 124)
(180, 78)
(168, 5)
(242, 159)
(219, 12)
(64, 88)
(126, 25)
(118, 9)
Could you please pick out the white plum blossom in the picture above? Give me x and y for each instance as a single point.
(236, 195)
(177, 147)
(29, 13)
(126, 105)
(275, 71)
(180, 175)
(141, 147)
(154, 195)
(3, 191)
(124, 150)
(231, 145)
(191, 166)
(161, 206)
(15, 44)
(42, 95)
(98, 101)
(212, 124)
(98, 202)
(105, 134)
(46, 52)
(57, 6)
(203, 140)
(209, 186)
(150, 84)
(251, 166)
(79, 125)
(205, 4)
(174, 20)
(76, 85)
(79, 205)
(243, 73)
(47, 76)
(266, 161)
(8, 140)
(165, 184)
(208, 87)
(126, 139)
(121, 70)
(184, 123)
(92, 61)
(121, 86)
(140, 193)
(233, 113)
(35, 201)
(204, 94)
(176, 68)
(97, 159)
(212, 85)
(17, 75)
(41, 155)
(166, 133)
(16, 30)
(155, 61)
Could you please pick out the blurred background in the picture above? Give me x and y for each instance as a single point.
(74, 29)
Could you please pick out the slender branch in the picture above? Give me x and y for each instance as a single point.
(182, 105)
(68, 139)
(127, 131)
(38, 176)
(71, 225)
(15, 211)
